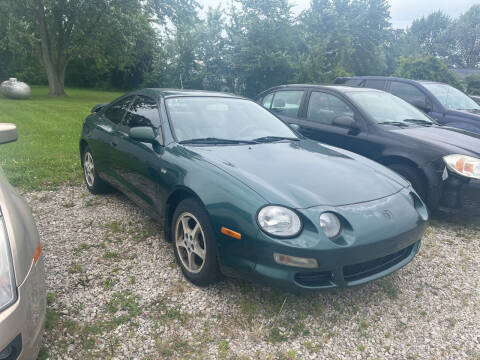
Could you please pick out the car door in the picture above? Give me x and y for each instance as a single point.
(318, 122)
(139, 164)
(105, 137)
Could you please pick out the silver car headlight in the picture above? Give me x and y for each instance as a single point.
(279, 221)
(8, 291)
(463, 165)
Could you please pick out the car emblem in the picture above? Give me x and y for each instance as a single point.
(388, 214)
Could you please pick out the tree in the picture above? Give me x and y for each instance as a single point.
(212, 51)
(66, 28)
(369, 28)
(433, 34)
(467, 33)
(426, 68)
(18, 57)
(261, 45)
(473, 84)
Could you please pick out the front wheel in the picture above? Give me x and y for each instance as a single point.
(418, 182)
(94, 184)
(194, 243)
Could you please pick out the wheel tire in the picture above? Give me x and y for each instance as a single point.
(94, 184)
(189, 246)
(415, 178)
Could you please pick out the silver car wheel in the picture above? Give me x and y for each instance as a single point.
(190, 242)
(89, 169)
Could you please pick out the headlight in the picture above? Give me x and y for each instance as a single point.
(279, 221)
(330, 224)
(8, 291)
(464, 165)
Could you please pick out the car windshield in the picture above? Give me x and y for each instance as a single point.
(224, 121)
(385, 108)
(451, 98)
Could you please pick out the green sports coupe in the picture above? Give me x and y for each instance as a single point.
(240, 193)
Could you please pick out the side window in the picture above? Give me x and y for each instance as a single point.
(287, 102)
(116, 111)
(352, 82)
(374, 84)
(267, 101)
(143, 112)
(323, 108)
(408, 93)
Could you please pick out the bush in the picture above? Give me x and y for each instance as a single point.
(426, 68)
(473, 84)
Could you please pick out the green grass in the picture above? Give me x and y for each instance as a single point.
(46, 153)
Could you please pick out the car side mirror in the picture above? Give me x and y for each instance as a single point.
(8, 133)
(145, 134)
(295, 127)
(345, 121)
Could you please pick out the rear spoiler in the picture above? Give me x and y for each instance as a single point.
(98, 107)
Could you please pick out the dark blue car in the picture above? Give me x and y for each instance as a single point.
(444, 103)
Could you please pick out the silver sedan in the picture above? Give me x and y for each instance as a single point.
(22, 275)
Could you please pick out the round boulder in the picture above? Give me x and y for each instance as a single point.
(13, 89)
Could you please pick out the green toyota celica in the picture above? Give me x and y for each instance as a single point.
(242, 194)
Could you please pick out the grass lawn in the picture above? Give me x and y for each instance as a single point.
(46, 153)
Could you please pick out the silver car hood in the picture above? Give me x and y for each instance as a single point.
(21, 229)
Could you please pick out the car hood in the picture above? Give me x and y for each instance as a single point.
(302, 174)
(446, 139)
(469, 114)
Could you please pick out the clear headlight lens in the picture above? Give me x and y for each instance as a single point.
(464, 165)
(279, 221)
(330, 224)
(7, 283)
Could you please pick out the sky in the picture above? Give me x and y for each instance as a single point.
(402, 11)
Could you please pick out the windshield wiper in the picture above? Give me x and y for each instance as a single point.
(274, 138)
(419, 122)
(213, 140)
(394, 123)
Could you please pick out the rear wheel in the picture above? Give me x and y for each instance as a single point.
(194, 243)
(94, 184)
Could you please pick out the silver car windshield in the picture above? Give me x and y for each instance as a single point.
(385, 108)
(451, 98)
(217, 119)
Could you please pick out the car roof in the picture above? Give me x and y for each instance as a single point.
(390, 78)
(338, 88)
(165, 93)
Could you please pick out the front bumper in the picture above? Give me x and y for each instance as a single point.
(381, 237)
(341, 274)
(21, 325)
(458, 192)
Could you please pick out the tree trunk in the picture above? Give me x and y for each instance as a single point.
(55, 76)
(55, 64)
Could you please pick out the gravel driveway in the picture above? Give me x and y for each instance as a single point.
(114, 291)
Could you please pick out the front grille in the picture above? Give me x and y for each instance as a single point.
(365, 269)
(320, 278)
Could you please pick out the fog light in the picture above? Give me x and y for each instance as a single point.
(295, 261)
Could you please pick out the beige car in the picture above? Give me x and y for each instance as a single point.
(22, 275)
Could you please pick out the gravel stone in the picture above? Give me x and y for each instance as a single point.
(116, 292)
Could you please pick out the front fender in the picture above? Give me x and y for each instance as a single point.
(228, 202)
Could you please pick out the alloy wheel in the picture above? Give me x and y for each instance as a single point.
(190, 242)
(89, 169)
